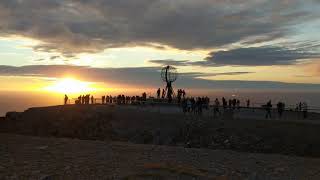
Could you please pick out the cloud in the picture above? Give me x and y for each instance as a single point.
(142, 77)
(70, 27)
(250, 56)
(312, 68)
(258, 56)
(171, 62)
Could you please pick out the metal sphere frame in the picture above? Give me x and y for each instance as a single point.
(169, 74)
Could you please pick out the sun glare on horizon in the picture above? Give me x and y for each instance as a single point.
(71, 86)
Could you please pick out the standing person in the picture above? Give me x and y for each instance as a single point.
(230, 103)
(280, 108)
(305, 110)
(268, 109)
(248, 103)
(238, 104)
(163, 94)
(158, 93)
(184, 105)
(79, 100)
(107, 100)
(193, 104)
(189, 105)
(103, 99)
(83, 99)
(216, 107)
(92, 100)
(224, 103)
(300, 106)
(234, 103)
(66, 98)
(179, 95)
(144, 96)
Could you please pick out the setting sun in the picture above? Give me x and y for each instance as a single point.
(70, 86)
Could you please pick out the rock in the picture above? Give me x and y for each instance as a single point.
(42, 147)
(280, 170)
(47, 177)
(67, 168)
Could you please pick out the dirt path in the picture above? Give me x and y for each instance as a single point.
(25, 157)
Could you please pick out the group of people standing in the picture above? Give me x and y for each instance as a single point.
(227, 104)
(85, 99)
(181, 93)
(122, 99)
(300, 107)
(195, 105)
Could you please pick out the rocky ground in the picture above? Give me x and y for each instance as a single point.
(149, 125)
(26, 157)
(176, 145)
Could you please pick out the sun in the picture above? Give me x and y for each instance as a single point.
(70, 86)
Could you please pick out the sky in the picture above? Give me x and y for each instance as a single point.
(78, 46)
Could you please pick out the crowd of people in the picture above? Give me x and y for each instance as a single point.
(194, 105)
(191, 104)
(122, 99)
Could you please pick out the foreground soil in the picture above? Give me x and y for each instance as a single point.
(26, 157)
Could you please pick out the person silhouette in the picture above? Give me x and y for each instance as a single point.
(144, 96)
(66, 98)
(280, 108)
(158, 93)
(248, 103)
(103, 99)
(304, 107)
(216, 108)
(92, 100)
(268, 109)
(163, 94)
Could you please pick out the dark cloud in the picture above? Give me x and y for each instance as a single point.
(146, 77)
(39, 60)
(171, 62)
(54, 57)
(75, 26)
(257, 56)
(251, 56)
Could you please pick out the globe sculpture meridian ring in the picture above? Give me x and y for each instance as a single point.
(169, 74)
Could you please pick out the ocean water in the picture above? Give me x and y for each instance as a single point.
(20, 101)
